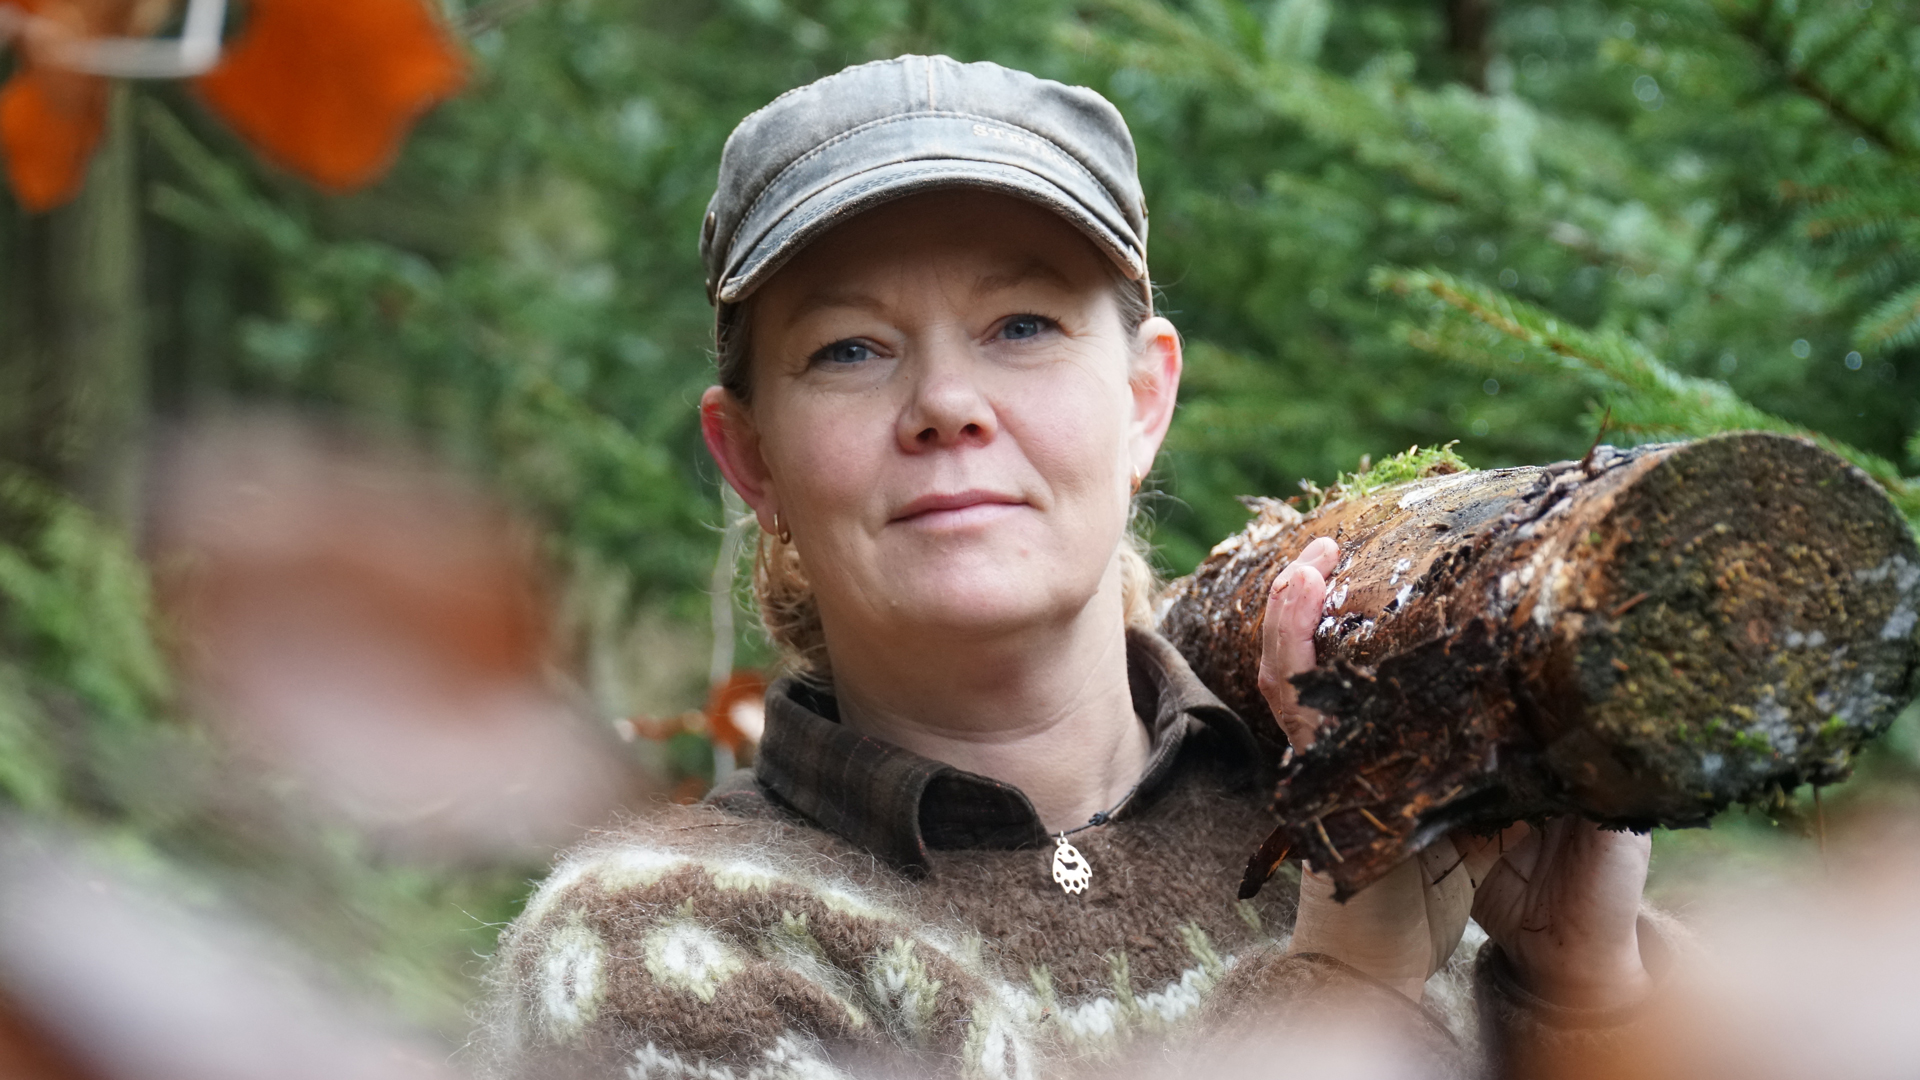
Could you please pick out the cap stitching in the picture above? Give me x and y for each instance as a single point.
(899, 61)
(727, 280)
(867, 185)
(898, 118)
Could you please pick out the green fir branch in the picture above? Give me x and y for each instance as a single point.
(226, 204)
(1893, 322)
(1839, 66)
(1337, 111)
(78, 654)
(1875, 225)
(1866, 209)
(1486, 328)
(1435, 139)
(75, 604)
(1371, 115)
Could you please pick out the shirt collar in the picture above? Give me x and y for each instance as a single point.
(900, 805)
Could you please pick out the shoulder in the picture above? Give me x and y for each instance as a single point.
(681, 868)
(705, 938)
(742, 795)
(724, 853)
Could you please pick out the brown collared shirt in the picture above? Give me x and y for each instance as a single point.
(901, 806)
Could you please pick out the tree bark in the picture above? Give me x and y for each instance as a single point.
(73, 384)
(1469, 27)
(1641, 638)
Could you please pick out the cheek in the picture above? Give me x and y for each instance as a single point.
(823, 455)
(1073, 426)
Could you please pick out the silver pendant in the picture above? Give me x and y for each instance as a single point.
(1071, 870)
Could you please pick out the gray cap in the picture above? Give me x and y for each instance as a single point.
(821, 153)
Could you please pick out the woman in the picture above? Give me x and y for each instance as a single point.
(996, 824)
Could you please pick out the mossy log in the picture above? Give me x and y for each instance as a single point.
(1641, 637)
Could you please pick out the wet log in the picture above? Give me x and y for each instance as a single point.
(1641, 637)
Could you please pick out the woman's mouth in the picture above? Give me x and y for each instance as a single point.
(956, 509)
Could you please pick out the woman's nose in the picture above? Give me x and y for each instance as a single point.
(948, 408)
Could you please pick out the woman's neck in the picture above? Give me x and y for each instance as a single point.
(1047, 711)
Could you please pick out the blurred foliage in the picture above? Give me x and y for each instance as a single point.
(1721, 188)
(77, 644)
(1376, 229)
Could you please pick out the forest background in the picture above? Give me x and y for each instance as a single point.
(1377, 224)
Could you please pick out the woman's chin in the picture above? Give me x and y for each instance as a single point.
(989, 604)
(1001, 583)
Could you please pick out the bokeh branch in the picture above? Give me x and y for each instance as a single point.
(1491, 331)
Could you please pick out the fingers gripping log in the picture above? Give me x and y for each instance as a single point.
(1641, 638)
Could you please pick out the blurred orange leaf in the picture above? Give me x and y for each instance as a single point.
(328, 88)
(51, 119)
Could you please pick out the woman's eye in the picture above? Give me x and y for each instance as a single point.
(843, 352)
(1021, 327)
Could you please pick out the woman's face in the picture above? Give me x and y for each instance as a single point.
(948, 416)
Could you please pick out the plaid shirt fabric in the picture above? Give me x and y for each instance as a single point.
(900, 805)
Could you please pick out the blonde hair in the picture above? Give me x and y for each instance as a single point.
(781, 590)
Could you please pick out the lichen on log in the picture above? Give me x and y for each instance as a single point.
(1641, 638)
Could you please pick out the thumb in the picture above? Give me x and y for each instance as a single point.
(1286, 648)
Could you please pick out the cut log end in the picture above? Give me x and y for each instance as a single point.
(1766, 598)
(1641, 638)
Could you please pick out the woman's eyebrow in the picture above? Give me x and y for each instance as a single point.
(824, 299)
(1029, 271)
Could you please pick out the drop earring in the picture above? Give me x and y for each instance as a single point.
(781, 531)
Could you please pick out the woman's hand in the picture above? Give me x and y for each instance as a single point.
(1404, 926)
(1286, 638)
(1562, 902)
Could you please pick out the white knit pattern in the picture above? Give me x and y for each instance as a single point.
(688, 955)
(571, 979)
(791, 1058)
(687, 951)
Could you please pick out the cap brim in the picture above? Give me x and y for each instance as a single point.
(839, 202)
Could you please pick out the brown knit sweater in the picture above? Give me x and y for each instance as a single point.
(919, 930)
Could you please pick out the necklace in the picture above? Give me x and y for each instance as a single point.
(1071, 870)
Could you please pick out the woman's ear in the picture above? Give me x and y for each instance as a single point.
(735, 445)
(1156, 387)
